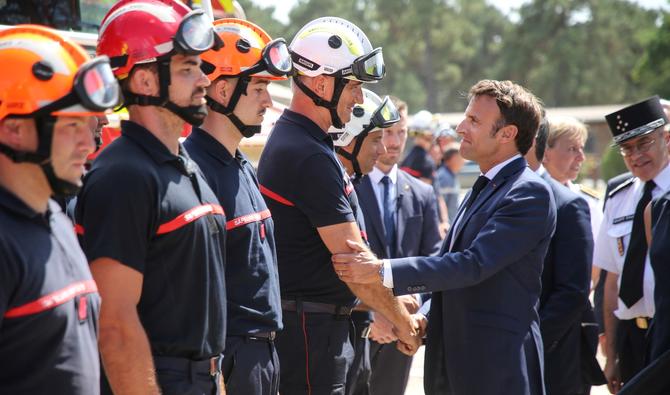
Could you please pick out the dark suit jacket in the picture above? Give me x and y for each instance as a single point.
(565, 291)
(483, 331)
(417, 218)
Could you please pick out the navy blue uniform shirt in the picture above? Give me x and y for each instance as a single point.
(49, 304)
(418, 163)
(305, 187)
(154, 212)
(254, 304)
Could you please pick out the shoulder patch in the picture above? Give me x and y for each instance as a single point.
(621, 187)
(589, 191)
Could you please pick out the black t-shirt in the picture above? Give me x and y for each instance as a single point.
(305, 187)
(252, 282)
(154, 212)
(49, 304)
(418, 163)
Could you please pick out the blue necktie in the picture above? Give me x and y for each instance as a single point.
(389, 209)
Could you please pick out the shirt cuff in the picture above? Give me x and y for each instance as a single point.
(388, 274)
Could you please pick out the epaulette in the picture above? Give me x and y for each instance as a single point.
(621, 187)
(589, 191)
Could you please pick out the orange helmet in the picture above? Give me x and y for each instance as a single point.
(247, 51)
(47, 74)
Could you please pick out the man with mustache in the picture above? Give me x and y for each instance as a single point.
(237, 99)
(621, 247)
(49, 303)
(151, 227)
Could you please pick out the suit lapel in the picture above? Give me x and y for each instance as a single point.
(500, 178)
(368, 201)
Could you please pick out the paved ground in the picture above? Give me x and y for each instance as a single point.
(415, 386)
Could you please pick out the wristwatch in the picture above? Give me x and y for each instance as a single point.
(381, 272)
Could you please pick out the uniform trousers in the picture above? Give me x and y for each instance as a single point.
(316, 352)
(250, 366)
(359, 375)
(390, 369)
(631, 348)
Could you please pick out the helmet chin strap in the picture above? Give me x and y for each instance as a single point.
(45, 128)
(194, 115)
(240, 89)
(331, 104)
(353, 156)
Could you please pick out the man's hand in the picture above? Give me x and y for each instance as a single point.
(360, 266)
(613, 376)
(409, 345)
(381, 330)
(410, 302)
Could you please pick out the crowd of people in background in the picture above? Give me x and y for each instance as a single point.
(171, 265)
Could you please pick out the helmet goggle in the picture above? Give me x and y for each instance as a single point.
(94, 87)
(385, 115)
(275, 59)
(366, 68)
(195, 33)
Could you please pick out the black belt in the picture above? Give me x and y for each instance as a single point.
(267, 336)
(211, 365)
(315, 307)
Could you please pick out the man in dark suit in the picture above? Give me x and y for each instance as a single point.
(483, 335)
(565, 286)
(405, 225)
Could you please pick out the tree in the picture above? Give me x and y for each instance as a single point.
(653, 69)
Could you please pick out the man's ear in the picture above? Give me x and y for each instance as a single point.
(508, 133)
(222, 90)
(320, 85)
(144, 81)
(16, 133)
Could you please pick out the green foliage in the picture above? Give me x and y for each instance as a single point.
(612, 163)
(653, 69)
(568, 52)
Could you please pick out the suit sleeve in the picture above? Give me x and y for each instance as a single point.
(430, 234)
(571, 254)
(521, 221)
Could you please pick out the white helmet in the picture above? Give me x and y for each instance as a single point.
(335, 47)
(421, 123)
(374, 113)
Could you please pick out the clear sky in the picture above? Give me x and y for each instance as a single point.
(506, 6)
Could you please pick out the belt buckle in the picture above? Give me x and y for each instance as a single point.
(214, 365)
(641, 322)
(272, 336)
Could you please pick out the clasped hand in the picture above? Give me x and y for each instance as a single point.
(360, 266)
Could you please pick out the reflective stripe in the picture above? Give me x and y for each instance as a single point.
(247, 219)
(53, 299)
(275, 196)
(189, 216)
(411, 171)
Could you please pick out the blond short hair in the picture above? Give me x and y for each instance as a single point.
(569, 127)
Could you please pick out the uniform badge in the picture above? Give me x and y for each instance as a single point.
(619, 244)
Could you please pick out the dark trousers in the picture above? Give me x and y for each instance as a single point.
(631, 348)
(390, 369)
(316, 352)
(180, 376)
(250, 366)
(359, 375)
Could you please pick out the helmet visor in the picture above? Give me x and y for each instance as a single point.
(386, 114)
(278, 58)
(96, 86)
(195, 34)
(369, 67)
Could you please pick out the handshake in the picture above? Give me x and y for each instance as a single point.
(383, 331)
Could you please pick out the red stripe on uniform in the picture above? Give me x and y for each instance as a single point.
(190, 216)
(247, 219)
(411, 171)
(53, 299)
(78, 229)
(275, 196)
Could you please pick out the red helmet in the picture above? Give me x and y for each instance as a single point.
(141, 31)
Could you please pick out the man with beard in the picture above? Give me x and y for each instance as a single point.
(152, 229)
